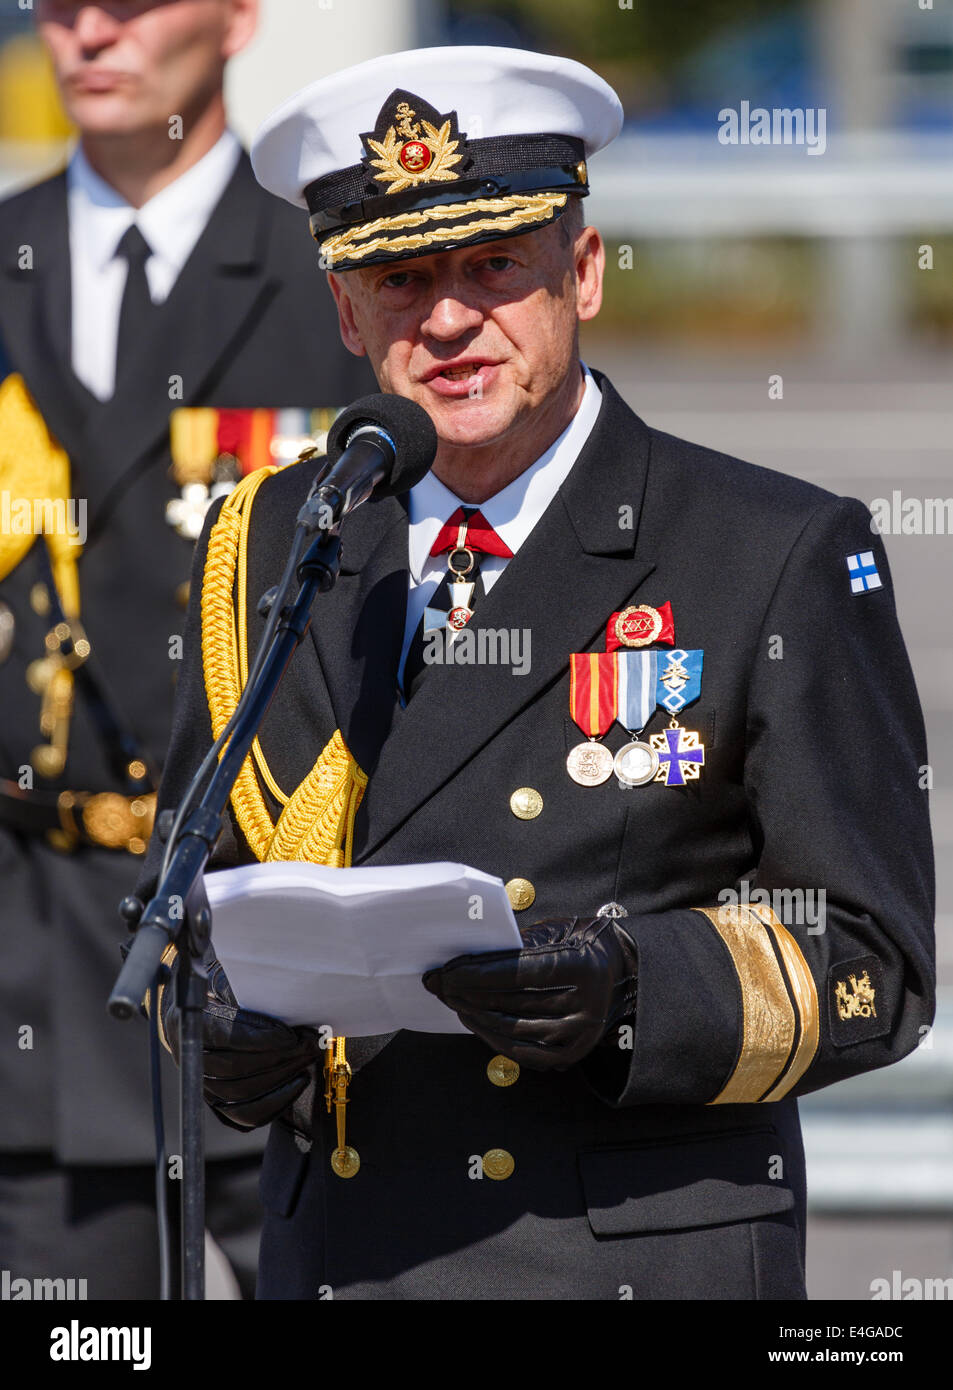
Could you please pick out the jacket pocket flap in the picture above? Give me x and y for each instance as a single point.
(708, 1181)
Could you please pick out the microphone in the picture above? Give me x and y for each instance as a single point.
(382, 445)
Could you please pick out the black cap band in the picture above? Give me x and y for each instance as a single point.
(496, 166)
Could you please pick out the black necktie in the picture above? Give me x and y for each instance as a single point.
(137, 306)
(415, 667)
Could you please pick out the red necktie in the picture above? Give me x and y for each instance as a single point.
(466, 530)
(469, 529)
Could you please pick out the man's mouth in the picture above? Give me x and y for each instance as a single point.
(96, 79)
(462, 380)
(460, 370)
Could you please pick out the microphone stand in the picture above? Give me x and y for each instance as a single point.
(179, 912)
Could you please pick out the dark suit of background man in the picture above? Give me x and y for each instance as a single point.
(647, 1138)
(225, 296)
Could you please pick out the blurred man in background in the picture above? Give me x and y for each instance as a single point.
(152, 273)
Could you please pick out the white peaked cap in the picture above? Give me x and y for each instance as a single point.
(519, 124)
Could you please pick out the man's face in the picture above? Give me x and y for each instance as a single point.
(481, 337)
(128, 65)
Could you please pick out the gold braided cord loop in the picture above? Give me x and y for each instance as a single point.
(241, 595)
(510, 214)
(35, 476)
(220, 653)
(317, 822)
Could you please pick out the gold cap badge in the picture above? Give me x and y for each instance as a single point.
(410, 148)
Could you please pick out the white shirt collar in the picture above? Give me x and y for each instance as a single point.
(171, 222)
(516, 508)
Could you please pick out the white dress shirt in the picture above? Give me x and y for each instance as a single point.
(512, 512)
(171, 223)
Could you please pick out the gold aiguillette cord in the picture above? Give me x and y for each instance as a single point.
(345, 1161)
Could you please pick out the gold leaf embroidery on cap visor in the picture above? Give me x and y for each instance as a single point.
(511, 212)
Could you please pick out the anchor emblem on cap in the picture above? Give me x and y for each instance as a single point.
(411, 149)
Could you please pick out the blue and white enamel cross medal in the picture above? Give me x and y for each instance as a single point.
(680, 753)
(636, 763)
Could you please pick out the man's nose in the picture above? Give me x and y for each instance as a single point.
(95, 28)
(449, 317)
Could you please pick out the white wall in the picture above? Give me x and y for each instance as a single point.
(301, 40)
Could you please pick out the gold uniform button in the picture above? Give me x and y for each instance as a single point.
(498, 1164)
(521, 894)
(502, 1071)
(40, 599)
(526, 803)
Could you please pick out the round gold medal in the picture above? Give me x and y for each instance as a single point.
(589, 763)
(345, 1162)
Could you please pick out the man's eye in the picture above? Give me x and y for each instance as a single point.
(397, 281)
(498, 262)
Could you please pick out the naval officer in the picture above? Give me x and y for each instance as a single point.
(717, 727)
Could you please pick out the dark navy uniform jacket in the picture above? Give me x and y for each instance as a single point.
(249, 322)
(673, 1168)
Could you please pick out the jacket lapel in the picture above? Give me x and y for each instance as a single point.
(578, 565)
(357, 629)
(35, 316)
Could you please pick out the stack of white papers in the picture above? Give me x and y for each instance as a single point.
(346, 948)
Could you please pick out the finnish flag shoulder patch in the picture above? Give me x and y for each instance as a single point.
(862, 569)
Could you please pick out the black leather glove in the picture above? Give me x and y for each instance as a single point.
(551, 1003)
(253, 1066)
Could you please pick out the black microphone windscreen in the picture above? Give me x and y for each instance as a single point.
(409, 426)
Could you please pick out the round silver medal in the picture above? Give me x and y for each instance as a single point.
(635, 764)
(589, 763)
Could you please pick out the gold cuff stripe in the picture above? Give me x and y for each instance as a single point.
(512, 213)
(768, 1024)
(805, 994)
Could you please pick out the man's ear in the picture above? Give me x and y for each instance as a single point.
(590, 260)
(241, 26)
(350, 336)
